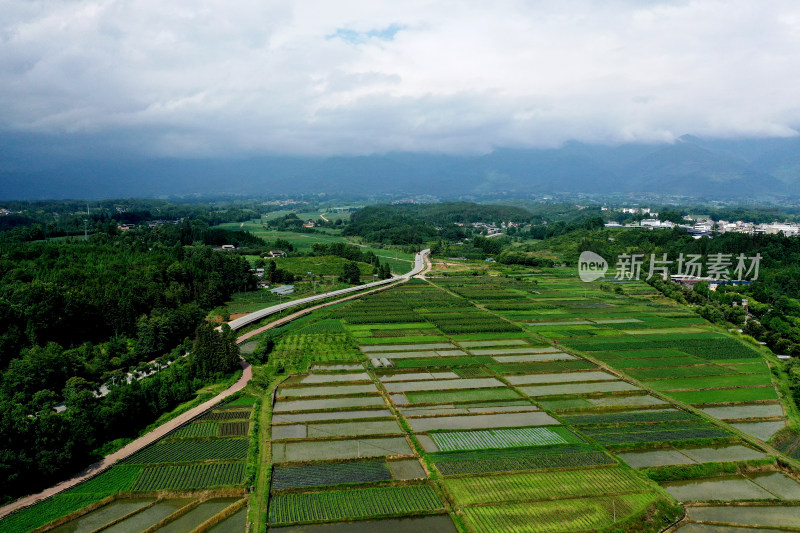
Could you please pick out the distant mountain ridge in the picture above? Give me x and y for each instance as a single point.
(756, 168)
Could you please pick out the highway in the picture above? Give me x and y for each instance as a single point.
(419, 266)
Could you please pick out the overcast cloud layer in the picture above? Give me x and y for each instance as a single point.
(200, 77)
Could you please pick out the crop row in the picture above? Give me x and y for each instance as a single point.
(631, 417)
(476, 455)
(585, 514)
(677, 372)
(382, 316)
(352, 504)
(487, 293)
(241, 401)
(196, 430)
(515, 464)
(471, 323)
(290, 477)
(324, 326)
(542, 485)
(701, 345)
(118, 478)
(472, 372)
(663, 433)
(301, 348)
(501, 438)
(234, 429)
(226, 414)
(717, 382)
(186, 477)
(515, 305)
(188, 451)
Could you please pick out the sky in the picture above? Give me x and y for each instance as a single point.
(200, 78)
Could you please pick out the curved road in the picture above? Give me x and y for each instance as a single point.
(159, 432)
(419, 266)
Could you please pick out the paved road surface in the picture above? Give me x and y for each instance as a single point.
(419, 265)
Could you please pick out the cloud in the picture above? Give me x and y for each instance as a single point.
(207, 77)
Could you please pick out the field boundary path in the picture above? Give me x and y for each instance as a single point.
(247, 373)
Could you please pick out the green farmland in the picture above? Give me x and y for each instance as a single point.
(488, 404)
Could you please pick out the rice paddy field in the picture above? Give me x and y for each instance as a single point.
(546, 407)
(498, 404)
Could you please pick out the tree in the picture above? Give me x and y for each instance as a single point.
(214, 352)
(351, 273)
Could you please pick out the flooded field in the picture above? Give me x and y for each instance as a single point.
(729, 488)
(706, 528)
(778, 484)
(335, 429)
(760, 430)
(102, 516)
(567, 377)
(655, 458)
(336, 390)
(197, 516)
(417, 376)
(475, 383)
(148, 517)
(328, 403)
(327, 415)
(482, 421)
(513, 351)
(633, 401)
(233, 524)
(679, 456)
(744, 411)
(339, 449)
(330, 378)
(758, 515)
(722, 453)
(406, 469)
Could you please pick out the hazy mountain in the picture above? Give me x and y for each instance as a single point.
(691, 166)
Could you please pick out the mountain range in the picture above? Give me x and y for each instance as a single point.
(691, 166)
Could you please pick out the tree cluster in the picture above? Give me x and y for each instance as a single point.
(75, 315)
